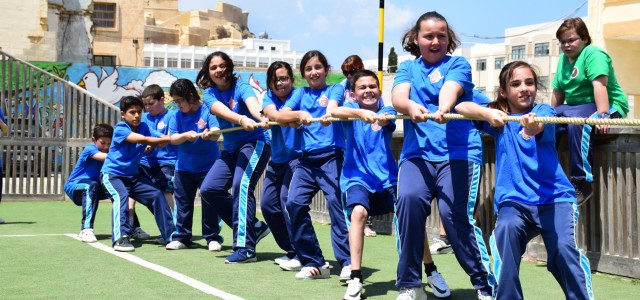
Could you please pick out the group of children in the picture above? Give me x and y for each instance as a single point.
(350, 162)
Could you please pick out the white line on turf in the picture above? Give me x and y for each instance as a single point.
(163, 270)
(32, 235)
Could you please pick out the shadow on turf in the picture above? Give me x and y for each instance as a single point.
(10, 223)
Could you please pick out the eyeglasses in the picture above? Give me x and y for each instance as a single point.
(282, 78)
(568, 41)
(349, 72)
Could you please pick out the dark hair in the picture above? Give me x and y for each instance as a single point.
(352, 63)
(186, 89)
(502, 103)
(204, 79)
(578, 25)
(102, 130)
(271, 73)
(154, 90)
(364, 73)
(307, 56)
(408, 43)
(129, 101)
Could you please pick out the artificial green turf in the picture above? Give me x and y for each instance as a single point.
(55, 267)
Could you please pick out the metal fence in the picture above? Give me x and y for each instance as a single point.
(50, 121)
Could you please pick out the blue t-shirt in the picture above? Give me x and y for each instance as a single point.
(86, 168)
(315, 137)
(160, 155)
(5, 121)
(429, 140)
(234, 98)
(369, 161)
(527, 168)
(285, 141)
(199, 155)
(124, 157)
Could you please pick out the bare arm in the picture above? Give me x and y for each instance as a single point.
(179, 138)
(602, 98)
(286, 115)
(4, 127)
(137, 138)
(100, 156)
(347, 112)
(557, 98)
(224, 112)
(475, 111)
(404, 105)
(449, 94)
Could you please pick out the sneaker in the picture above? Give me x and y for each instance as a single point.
(87, 236)
(354, 290)
(314, 272)
(291, 265)
(160, 241)
(2, 221)
(484, 297)
(242, 255)
(123, 245)
(438, 286)
(440, 247)
(262, 230)
(280, 260)
(416, 293)
(345, 273)
(139, 234)
(214, 246)
(177, 245)
(584, 190)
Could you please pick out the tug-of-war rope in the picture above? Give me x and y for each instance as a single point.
(554, 120)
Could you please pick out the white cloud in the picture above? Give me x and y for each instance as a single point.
(396, 17)
(321, 24)
(299, 6)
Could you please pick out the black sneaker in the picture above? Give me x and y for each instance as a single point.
(261, 229)
(584, 190)
(123, 245)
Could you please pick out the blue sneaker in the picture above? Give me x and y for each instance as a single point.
(242, 255)
(261, 229)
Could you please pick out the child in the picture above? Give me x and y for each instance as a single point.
(120, 179)
(319, 169)
(244, 158)
(533, 194)
(83, 186)
(158, 164)
(437, 157)
(369, 174)
(284, 160)
(586, 80)
(4, 128)
(196, 156)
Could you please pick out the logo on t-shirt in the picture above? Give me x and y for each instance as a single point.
(525, 136)
(200, 124)
(375, 126)
(575, 72)
(323, 101)
(435, 76)
(161, 125)
(232, 103)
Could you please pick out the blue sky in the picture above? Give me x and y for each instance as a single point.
(340, 28)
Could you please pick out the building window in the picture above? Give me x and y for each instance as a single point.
(544, 82)
(481, 64)
(172, 62)
(238, 63)
(273, 48)
(104, 60)
(517, 52)
(260, 47)
(185, 63)
(104, 15)
(147, 61)
(499, 63)
(541, 49)
(263, 64)
(158, 62)
(197, 63)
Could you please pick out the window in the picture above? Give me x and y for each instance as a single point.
(263, 65)
(544, 82)
(260, 47)
(172, 62)
(541, 49)
(238, 63)
(273, 48)
(104, 15)
(499, 63)
(185, 63)
(517, 52)
(104, 60)
(481, 65)
(197, 63)
(158, 62)
(147, 61)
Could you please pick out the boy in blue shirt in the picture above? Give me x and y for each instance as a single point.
(83, 186)
(120, 179)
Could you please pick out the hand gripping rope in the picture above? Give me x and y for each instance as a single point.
(554, 120)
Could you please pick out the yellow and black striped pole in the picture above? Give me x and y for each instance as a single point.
(380, 41)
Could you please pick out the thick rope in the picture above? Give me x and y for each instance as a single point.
(553, 120)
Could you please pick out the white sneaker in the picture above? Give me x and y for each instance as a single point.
(484, 297)
(214, 246)
(314, 272)
(440, 247)
(438, 286)
(87, 236)
(292, 265)
(139, 234)
(345, 273)
(2, 221)
(354, 290)
(416, 293)
(177, 245)
(281, 260)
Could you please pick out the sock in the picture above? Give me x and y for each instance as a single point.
(444, 239)
(429, 268)
(356, 274)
